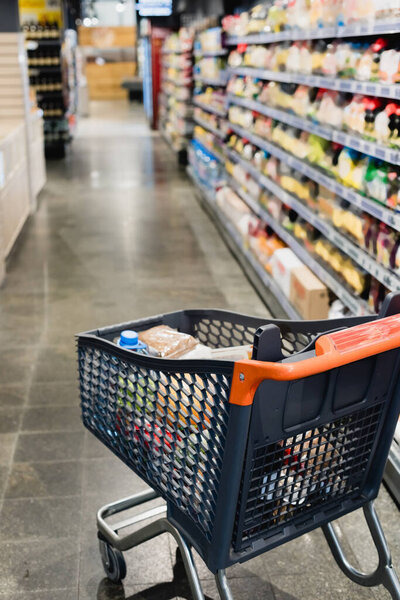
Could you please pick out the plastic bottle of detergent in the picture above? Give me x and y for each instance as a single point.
(129, 340)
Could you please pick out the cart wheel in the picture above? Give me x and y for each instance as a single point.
(113, 562)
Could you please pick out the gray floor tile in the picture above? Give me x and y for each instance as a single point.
(49, 446)
(93, 448)
(51, 418)
(10, 420)
(104, 590)
(31, 566)
(57, 364)
(66, 594)
(54, 393)
(44, 479)
(3, 479)
(250, 588)
(12, 396)
(110, 479)
(16, 367)
(7, 446)
(23, 519)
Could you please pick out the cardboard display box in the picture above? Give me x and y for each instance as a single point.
(104, 81)
(308, 294)
(283, 262)
(107, 37)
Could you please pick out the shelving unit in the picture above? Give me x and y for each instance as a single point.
(175, 134)
(55, 104)
(220, 82)
(343, 241)
(202, 53)
(209, 60)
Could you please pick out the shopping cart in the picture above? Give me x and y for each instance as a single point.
(249, 454)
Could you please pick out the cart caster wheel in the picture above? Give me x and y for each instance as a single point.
(113, 562)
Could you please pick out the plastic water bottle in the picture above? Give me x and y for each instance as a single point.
(129, 340)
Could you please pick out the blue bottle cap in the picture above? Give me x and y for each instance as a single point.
(128, 338)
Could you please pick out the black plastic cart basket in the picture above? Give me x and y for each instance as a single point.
(248, 454)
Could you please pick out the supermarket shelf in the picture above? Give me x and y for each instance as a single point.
(360, 256)
(46, 69)
(331, 83)
(324, 131)
(382, 213)
(217, 132)
(188, 51)
(47, 94)
(262, 281)
(185, 83)
(355, 304)
(170, 143)
(51, 42)
(201, 53)
(378, 28)
(208, 108)
(220, 82)
(172, 95)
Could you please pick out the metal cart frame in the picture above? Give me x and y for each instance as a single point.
(290, 441)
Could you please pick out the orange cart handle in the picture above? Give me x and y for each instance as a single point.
(332, 350)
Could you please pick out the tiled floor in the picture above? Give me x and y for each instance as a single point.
(118, 235)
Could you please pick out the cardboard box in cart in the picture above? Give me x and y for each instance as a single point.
(308, 294)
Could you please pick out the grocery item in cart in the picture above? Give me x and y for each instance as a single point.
(166, 342)
(129, 339)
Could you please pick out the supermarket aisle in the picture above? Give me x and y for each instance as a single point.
(118, 235)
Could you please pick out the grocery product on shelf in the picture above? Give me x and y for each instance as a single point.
(320, 205)
(45, 29)
(311, 296)
(209, 68)
(179, 42)
(283, 262)
(209, 42)
(211, 142)
(207, 167)
(373, 119)
(212, 100)
(211, 121)
(374, 178)
(299, 15)
(308, 294)
(375, 62)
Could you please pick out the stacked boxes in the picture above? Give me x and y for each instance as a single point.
(22, 171)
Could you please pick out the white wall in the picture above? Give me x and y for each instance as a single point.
(108, 16)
